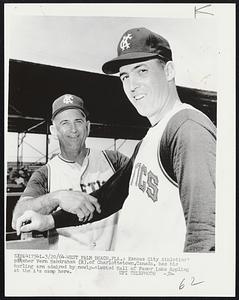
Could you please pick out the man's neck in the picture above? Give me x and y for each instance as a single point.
(172, 100)
(75, 156)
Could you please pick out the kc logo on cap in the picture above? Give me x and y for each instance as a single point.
(68, 99)
(124, 44)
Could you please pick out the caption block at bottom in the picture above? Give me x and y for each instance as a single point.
(66, 264)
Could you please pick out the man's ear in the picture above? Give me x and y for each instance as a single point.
(88, 127)
(53, 131)
(169, 70)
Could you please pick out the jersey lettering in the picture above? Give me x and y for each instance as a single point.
(152, 190)
(136, 169)
(91, 186)
(145, 180)
(142, 184)
(83, 187)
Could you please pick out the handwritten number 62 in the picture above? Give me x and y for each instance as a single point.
(182, 283)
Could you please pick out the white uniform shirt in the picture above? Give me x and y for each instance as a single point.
(62, 174)
(152, 218)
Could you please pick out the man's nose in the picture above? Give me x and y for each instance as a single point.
(133, 83)
(73, 127)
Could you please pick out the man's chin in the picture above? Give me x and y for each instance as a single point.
(74, 146)
(142, 112)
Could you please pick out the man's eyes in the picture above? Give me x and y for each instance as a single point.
(64, 123)
(79, 121)
(141, 71)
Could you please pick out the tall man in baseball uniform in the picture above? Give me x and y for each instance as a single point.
(167, 189)
(75, 169)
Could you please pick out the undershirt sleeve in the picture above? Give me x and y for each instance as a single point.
(37, 184)
(117, 159)
(188, 154)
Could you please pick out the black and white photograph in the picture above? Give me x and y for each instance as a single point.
(119, 150)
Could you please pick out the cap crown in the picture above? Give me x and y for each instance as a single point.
(143, 40)
(138, 44)
(68, 101)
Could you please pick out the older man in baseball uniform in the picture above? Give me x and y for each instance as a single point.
(75, 169)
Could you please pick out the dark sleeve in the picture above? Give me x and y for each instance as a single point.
(111, 196)
(37, 184)
(116, 158)
(188, 153)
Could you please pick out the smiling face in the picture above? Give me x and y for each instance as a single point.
(147, 87)
(71, 129)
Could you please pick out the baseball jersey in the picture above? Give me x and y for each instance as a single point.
(156, 198)
(62, 174)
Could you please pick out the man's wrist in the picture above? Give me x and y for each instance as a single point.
(50, 221)
(56, 199)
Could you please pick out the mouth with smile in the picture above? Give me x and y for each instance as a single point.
(74, 137)
(139, 97)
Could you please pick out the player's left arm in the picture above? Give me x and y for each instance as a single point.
(117, 159)
(193, 156)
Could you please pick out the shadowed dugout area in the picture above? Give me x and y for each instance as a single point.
(33, 87)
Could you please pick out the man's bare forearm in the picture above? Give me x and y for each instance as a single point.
(44, 205)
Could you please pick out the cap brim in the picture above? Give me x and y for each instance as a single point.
(112, 66)
(69, 107)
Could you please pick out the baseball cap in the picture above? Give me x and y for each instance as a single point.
(138, 44)
(68, 101)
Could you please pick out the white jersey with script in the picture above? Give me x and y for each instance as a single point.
(63, 174)
(152, 217)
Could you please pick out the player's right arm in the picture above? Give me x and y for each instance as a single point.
(37, 199)
(110, 196)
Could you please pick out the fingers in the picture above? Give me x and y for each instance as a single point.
(24, 219)
(80, 215)
(94, 201)
(83, 214)
(27, 228)
(89, 201)
(86, 211)
(89, 206)
(91, 210)
(79, 203)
